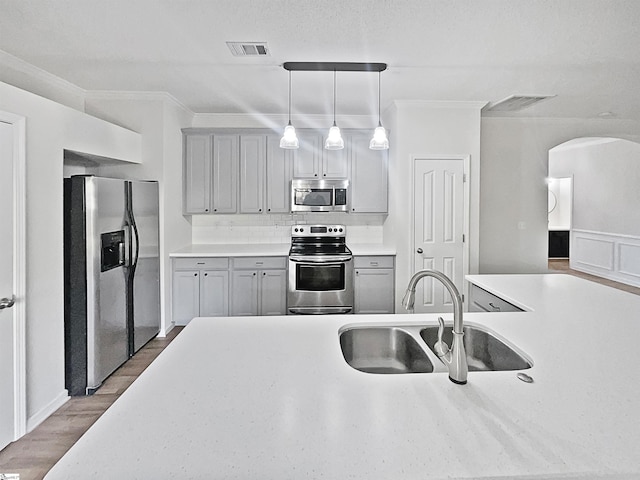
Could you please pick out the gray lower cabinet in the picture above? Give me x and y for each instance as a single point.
(482, 301)
(200, 288)
(259, 286)
(374, 288)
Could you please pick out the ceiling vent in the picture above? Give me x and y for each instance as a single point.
(517, 102)
(248, 49)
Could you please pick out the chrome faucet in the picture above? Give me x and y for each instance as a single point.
(455, 358)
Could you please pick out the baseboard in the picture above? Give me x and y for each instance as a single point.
(43, 414)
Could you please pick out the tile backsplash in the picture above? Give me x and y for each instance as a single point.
(276, 228)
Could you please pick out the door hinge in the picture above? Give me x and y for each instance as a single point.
(464, 178)
(463, 298)
(463, 238)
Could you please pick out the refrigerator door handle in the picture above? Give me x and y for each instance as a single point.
(127, 245)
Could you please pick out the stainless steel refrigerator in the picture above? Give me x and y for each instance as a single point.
(112, 275)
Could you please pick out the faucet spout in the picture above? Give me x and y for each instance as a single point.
(454, 358)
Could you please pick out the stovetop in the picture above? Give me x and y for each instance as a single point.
(319, 240)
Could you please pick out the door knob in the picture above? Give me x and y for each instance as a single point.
(7, 302)
(419, 250)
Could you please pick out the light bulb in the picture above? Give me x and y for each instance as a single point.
(334, 139)
(379, 140)
(289, 139)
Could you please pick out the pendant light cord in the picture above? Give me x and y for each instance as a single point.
(289, 97)
(334, 97)
(379, 122)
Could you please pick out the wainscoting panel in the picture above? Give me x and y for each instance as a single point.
(616, 257)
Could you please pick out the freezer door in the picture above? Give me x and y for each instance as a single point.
(145, 286)
(106, 278)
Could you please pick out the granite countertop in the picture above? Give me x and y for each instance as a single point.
(272, 398)
(267, 250)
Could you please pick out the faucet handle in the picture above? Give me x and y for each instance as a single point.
(441, 348)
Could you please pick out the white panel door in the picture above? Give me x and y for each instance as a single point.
(438, 229)
(7, 366)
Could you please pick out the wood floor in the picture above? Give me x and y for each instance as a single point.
(36, 453)
(562, 265)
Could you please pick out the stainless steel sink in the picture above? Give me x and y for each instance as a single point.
(484, 350)
(383, 350)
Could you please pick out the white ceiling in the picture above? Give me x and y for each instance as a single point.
(587, 52)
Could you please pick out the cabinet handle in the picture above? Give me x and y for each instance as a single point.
(206, 274)
(264, 273)
(315, 174)
(419, 250)
(195, 274)
(259, 209)
(206, 209)
(215, 209)
(254, 274)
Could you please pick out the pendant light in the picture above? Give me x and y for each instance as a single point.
(379, 140)
(289, 138)
(334, 139)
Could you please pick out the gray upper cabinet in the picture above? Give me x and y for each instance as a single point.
(311, 160)
(246, 171)
(369, 176)
(278, 176)
(252, 173)
(225, 173)
(307, 160)
(197, 174)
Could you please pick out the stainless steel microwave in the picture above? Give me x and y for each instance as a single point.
(319, 195)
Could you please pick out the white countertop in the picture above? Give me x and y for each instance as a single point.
(267, 250)
(272, 398)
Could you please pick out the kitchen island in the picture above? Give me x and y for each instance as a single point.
(273, 398)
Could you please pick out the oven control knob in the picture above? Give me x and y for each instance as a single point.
(295, 230)
(330, 230)
(340, 230)
(302, 230)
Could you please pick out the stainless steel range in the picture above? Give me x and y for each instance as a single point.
(320, 270)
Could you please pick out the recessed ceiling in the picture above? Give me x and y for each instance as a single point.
(583, 51)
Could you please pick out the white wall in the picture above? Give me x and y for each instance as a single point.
(513, 190)
(428, 128)
(50, 128)
(606, 189)
(605, 235)
(159, 119)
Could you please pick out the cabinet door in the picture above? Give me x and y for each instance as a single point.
(186, 296)
(252, 169)
(197, 174)
(374, 290)
(307, 158)
(335, 163)
(278, 183)
(225, 173)
(369, 177)
(273, 292)
(244, 293)
(214, 293)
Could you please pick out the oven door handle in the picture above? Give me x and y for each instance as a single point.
(320, 259)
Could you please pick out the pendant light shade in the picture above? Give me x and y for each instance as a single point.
(379, 140)
(334, 139)
(289, 139)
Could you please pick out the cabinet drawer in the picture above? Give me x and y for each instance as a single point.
(373, 261)
(260, 262)
(481, 300)
(200, 263)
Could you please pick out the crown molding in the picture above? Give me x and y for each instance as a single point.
(277, 121)
(17, 64)
(165, 97)
(441, 104)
